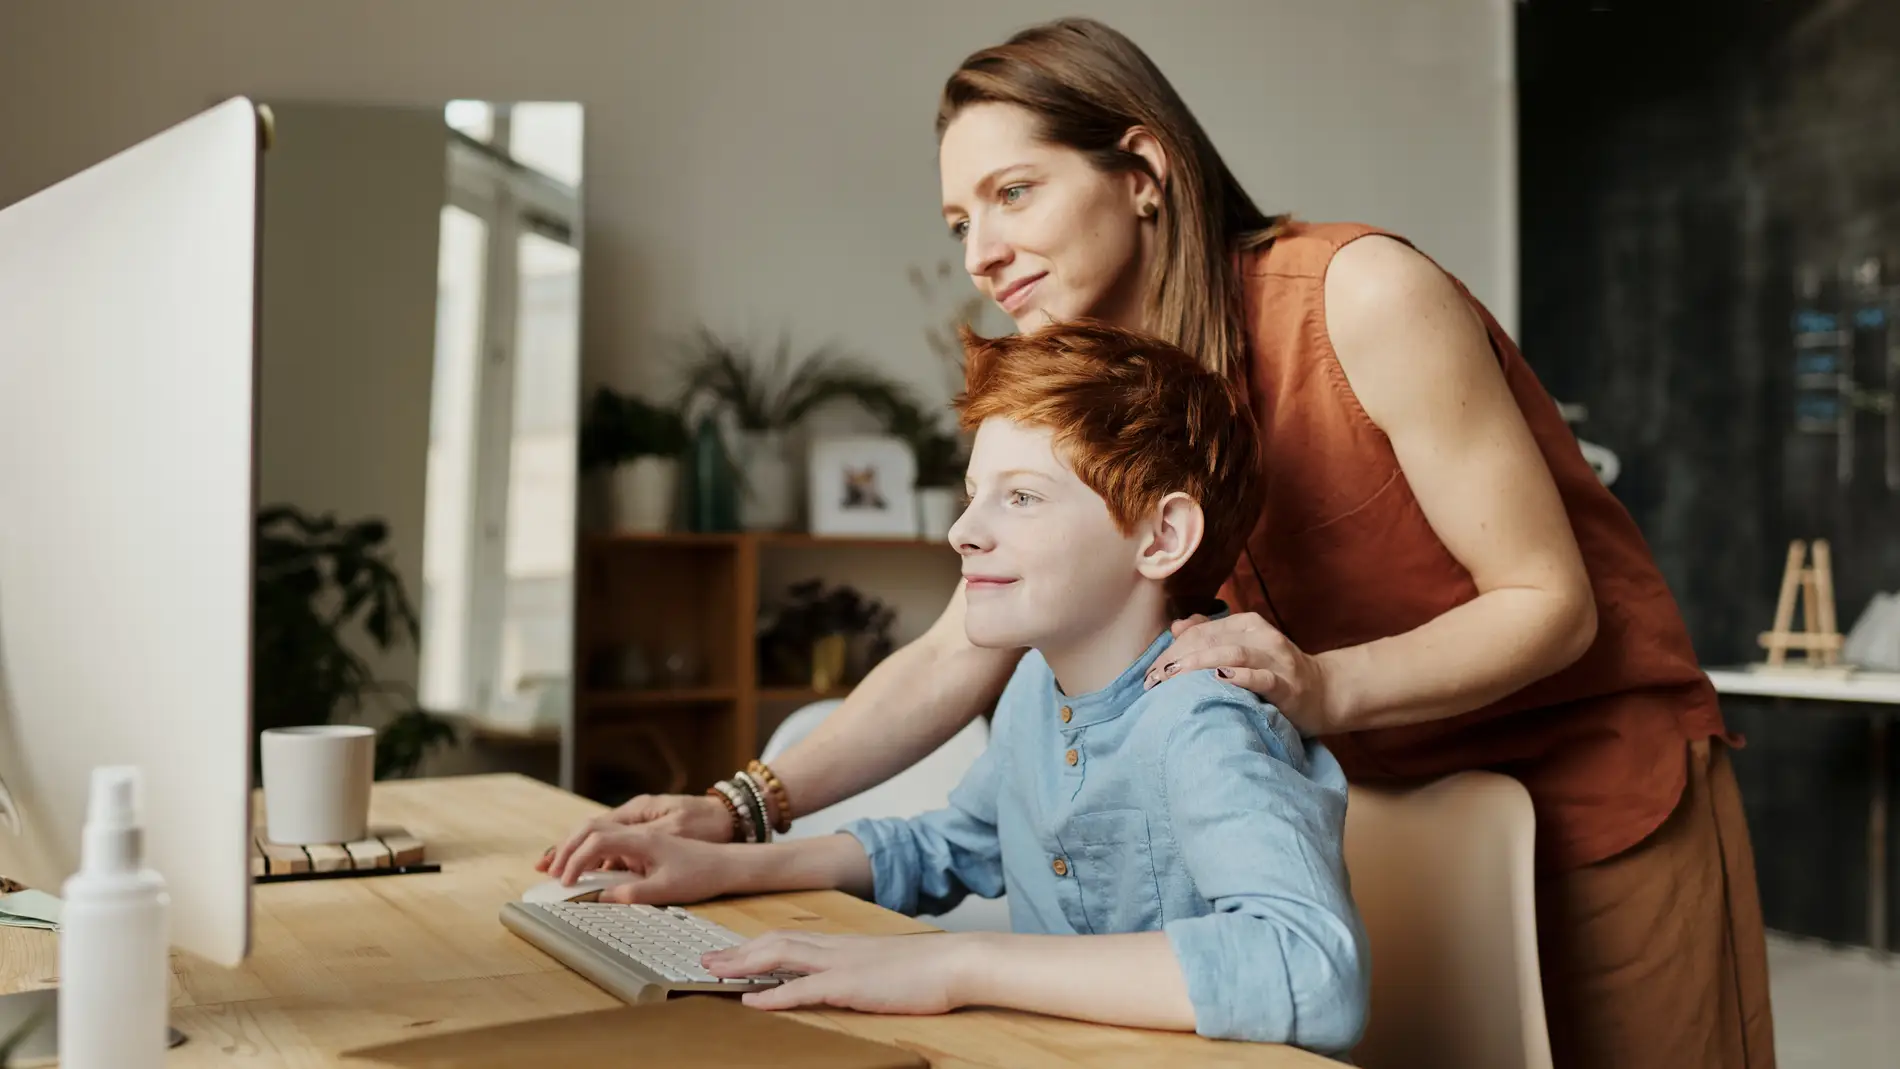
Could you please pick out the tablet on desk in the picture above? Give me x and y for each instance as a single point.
(685, 1033)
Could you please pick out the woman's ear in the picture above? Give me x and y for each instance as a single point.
(1173, 532)
(1149, 188)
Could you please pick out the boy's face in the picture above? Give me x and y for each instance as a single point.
(1044, 563)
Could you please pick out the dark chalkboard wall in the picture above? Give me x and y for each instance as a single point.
(1688, 183)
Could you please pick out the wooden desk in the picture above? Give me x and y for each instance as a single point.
(337, 965)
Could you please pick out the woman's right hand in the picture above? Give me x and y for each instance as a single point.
(667, 869)
(689, 816)
(685, 815)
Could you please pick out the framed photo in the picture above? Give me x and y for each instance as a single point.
(863, 485)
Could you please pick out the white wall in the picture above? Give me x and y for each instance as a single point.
(352, 202)
(763, 165)
(758, 165)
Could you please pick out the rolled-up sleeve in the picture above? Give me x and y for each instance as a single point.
(1282, 957)
(929, 863)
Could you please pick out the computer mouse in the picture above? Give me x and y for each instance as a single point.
(585, 889)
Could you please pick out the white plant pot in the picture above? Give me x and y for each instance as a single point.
(936, 511)
(768, 501)
(644, 493)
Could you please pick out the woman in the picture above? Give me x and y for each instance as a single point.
(1437, 581)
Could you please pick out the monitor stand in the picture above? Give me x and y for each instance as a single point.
(40, 1047)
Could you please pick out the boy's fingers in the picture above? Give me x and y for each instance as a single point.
(804, 991)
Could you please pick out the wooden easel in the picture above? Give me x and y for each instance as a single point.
(1818, 638)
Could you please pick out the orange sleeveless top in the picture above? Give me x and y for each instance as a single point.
(1345, 556)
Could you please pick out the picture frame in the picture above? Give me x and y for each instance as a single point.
(862, 485)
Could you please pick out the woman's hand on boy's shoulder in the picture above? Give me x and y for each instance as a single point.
(1249, 652)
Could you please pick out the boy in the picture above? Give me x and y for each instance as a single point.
(1187, 830)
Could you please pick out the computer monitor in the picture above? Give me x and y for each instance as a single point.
(127, 369)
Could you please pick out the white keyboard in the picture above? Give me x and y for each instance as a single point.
(636, 953)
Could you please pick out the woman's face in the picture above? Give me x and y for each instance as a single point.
(1045, 235)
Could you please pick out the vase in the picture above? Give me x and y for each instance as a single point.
(766, 500)
(714, 481)
(643, 494)
(936, 512)
(828, 656)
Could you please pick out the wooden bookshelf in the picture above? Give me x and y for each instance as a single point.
(691, 592)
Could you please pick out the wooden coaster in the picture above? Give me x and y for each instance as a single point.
(387, 850)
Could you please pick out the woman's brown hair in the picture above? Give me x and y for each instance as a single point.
(1088, 85)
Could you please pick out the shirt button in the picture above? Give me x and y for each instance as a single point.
(1067, 714)
(1071, 757)
(1060, 866)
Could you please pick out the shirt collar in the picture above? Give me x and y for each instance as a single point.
(1113, 700)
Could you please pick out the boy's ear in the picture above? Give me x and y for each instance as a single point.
(1171, 535)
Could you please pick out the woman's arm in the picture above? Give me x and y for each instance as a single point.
(905, 708)
(909, 705)
(1421, 365)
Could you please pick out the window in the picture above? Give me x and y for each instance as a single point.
(448, 514)
(498, 556)
(537, 609)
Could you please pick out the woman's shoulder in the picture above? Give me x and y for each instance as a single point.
(1302, 249)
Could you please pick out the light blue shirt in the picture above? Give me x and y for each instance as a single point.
(1193, 808)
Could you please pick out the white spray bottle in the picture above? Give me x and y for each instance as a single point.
(114, 971)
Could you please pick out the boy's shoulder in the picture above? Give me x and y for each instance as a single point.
(1177, 702)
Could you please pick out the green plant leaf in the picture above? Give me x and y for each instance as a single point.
(377, 624)
(406, 740)
(617, 428)
(316, 581)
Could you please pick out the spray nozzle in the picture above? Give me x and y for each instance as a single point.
(114, 798)
(112, 841)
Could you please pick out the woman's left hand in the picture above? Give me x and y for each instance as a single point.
(1246, 650)
(876, 974)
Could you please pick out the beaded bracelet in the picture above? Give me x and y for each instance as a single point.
(735, 796)
(775, 790)
(738, 822)
(755, 803)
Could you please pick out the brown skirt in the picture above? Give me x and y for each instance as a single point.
(1656, 957)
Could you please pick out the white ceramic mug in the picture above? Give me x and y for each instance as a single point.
(316, 783)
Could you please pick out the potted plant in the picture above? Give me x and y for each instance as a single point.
(823, 637)
(942, 456)
(767, 399)
(637, 445)
(941, 462)
(320, 583)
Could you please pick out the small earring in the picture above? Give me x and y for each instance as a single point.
(1148, 211)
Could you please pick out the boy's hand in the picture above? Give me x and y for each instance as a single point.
(669, 869)
(876, 974)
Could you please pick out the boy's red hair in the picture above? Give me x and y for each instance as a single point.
(1137, 419)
